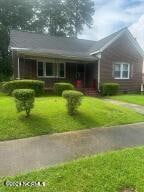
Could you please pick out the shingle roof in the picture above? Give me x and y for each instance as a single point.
(41, 43)
(101, 43)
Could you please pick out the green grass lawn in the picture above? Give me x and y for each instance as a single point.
(107, 172)
(50, 116)
(130, 98)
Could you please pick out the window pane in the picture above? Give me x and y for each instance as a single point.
(117, 67)
(117, 70)
(40, 69)
(49, 69)
(61, 70)
(125, 74)
(125, 67)
(117, 74)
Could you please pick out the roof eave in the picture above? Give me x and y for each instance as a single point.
(52, 55)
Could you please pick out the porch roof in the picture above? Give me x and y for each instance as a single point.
(52, 53)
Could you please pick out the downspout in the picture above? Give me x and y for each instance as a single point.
(99, 60)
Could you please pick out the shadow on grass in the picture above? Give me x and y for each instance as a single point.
(85, 120)
(36, 124)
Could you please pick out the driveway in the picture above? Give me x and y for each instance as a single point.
(24, 155)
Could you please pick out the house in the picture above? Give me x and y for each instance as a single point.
(117, 58)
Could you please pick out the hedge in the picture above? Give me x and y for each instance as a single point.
(36, 85)
(60, 87)
(24, 100)
(109, 89)
(73, 100)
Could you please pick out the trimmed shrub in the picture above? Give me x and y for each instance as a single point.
(24, 100)
(60, 87)
(109, 89)
(36, 85)
(73, 100)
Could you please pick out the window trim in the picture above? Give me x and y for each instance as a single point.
(57, 69)
(121, 70)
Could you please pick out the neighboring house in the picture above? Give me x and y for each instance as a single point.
(117, 58)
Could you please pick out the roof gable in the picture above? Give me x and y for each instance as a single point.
(106, 42)
(99, 45)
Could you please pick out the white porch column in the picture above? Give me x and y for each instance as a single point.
(18, 75)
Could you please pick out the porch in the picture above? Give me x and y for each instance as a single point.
(84, 75)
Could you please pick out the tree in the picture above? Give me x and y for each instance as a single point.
(14, 14)
(50, 17)
(63, 17)
(5, 58)
(79, 13)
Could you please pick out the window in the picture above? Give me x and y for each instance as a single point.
(46, 69)
(125, 72)
(49, 69)
(62, 70)
(121, 71)
(40, 69)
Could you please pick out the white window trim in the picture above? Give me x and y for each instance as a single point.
(121, 70)
(57, 70)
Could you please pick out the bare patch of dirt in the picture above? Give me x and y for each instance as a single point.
(128, 189)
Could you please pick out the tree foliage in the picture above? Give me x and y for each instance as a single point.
(13, 14)
(16, 13)
(5, 58)
(63, 17)
(79, 13)
(57, 17)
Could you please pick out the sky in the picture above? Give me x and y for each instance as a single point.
(112, 15)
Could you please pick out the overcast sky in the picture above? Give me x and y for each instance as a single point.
(112, 15)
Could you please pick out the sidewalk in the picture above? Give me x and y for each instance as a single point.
(19, 156)
(135, 107)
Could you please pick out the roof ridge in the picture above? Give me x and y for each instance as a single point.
(60, 37)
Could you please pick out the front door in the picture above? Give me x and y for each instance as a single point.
(81, 74)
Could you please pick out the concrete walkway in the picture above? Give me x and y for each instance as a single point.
(23, 155)
(137, 108)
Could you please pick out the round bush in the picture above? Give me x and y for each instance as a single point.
(36, 85)
(60, 87)
(73, 100)
(109, 89)
(24, 100)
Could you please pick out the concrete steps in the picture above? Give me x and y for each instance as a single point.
(89, 91)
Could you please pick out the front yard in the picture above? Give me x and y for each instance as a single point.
(50, 116)
(130, 98)
(110, 172)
